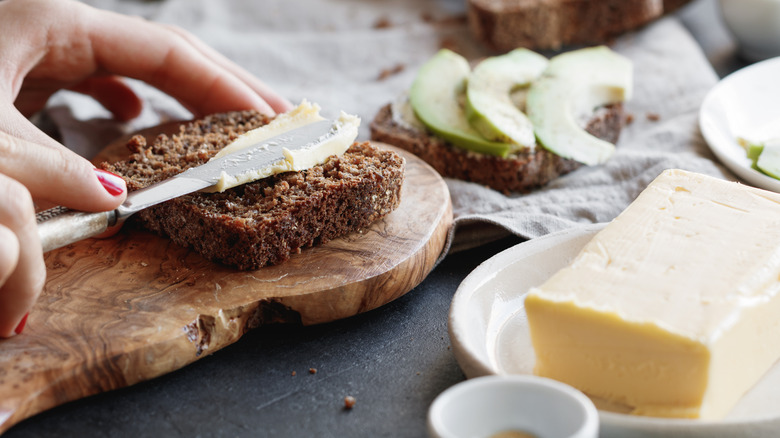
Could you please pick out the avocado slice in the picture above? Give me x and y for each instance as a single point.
(752, 151)
(489, 106)
(574, 85)
(434, 96)
(768, 160)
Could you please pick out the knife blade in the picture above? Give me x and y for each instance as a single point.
(61, 226)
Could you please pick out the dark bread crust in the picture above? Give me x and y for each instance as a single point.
(551, 24)
(517, 173)
(266, 221)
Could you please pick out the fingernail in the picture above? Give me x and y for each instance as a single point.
(20, 327)
(114, 184)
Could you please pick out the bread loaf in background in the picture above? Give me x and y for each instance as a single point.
(550, 24)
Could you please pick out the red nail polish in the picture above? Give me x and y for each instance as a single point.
(114, 184)
(20, 327)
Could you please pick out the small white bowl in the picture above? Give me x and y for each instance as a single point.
(483, 407)
(756, 26)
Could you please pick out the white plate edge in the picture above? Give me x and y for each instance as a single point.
(719, 145)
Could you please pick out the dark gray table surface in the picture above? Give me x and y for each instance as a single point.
(394, 360)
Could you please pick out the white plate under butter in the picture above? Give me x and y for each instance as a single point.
(744, 104)
(489, 334)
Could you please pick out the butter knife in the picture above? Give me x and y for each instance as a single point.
(61, 226)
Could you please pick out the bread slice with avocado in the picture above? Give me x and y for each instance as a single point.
(463, 124)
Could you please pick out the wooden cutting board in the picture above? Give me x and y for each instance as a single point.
(125, 309)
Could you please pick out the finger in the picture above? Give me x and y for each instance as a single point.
(58, 175)
(277, 102)
(9, 253)
(114, 94)
(142, 50)
(22, 287)
(12, 304)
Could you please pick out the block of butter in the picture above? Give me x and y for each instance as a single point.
(672, 310)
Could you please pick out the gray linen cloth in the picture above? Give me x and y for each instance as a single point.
(357, 56)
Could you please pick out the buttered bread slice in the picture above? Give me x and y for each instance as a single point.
(673, 309)
(267, 221)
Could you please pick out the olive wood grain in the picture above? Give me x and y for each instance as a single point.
(134, 306)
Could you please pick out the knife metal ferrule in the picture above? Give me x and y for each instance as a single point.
(61, 226)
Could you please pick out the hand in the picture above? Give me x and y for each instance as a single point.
(49, 45)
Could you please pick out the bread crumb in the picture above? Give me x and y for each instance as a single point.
(653, 117)
(382, 23)
(349, 402)
(387, 72)
(312, 370)
(293, 373)
(629, 119)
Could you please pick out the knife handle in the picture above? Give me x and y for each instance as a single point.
(60, 226)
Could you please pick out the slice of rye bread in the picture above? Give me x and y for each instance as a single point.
(551, 24)
(520, 172)
(266, 221)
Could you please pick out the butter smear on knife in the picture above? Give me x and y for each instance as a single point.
(342, 135)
